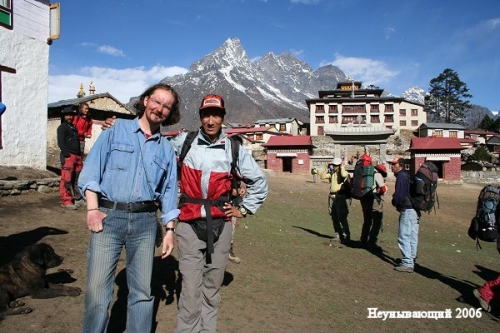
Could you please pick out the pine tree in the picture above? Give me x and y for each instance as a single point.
(447, 98)
(486, 123)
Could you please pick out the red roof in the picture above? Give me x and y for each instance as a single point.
(298, 140)
(243, 130)
(433, 143)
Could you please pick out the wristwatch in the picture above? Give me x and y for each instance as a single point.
(170, 229)
(243, 211)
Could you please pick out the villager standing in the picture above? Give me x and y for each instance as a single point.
(71, 158)
(314, 173)
(336, 173)
(83, 123)
(408, 217)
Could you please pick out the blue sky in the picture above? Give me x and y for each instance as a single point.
(125, 46)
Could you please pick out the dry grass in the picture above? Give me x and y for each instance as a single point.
(289, 280)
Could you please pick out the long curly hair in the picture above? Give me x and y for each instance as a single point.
(174, 116)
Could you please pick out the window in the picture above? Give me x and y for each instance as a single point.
(438, 133)
(453, 134)
(374, 119)
(374, 108)
(402, 123)
(348, 119)
(414, 112)
(353, 109)
(282, 127)
(259, 136)
(320, 108)
(320, 120)
(332, 119)
(389, 118)
(414, 123)
(333, 109)
(402, 112)
(389, 108)
(6, 13)
(321, 130)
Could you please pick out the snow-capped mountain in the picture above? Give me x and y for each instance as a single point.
(414, 94)
(272, 87)
(275, 86)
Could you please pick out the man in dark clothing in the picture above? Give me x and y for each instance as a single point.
(71, 157)
(408, 217)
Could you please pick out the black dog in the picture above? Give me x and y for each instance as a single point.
(25, 275)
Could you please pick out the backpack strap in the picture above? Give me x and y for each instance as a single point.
(186, 146)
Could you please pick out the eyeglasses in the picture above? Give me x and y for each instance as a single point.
(156, 103)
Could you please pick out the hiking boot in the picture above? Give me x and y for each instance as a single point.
(485, 305)
(234, 258)
(403, 268)
(80, 203)
(335, 240)
(69, 207)
(345, 241)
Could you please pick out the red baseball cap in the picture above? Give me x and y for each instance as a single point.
(213, 101)
(398, 160)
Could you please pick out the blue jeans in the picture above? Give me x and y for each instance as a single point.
(137, 232)
(408, 236)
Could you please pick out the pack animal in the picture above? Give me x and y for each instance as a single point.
(25, 275)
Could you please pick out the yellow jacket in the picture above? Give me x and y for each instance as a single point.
(336, 179)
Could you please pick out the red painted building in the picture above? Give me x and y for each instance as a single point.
(289, 154)
(443, 152)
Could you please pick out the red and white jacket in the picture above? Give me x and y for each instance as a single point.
(206, 174)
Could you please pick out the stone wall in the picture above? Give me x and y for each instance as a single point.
(17, 187)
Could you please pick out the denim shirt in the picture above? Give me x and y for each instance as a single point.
(124, 166)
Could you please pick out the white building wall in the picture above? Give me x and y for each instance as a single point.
(25, 93)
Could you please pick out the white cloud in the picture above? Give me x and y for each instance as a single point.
(389, 31)
(369, 71)
(106, 49)
(121, 83)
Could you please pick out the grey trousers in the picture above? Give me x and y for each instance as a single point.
(201, 282)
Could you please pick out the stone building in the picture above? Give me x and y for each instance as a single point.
(350, 104)
(289, 154)
(26, 33)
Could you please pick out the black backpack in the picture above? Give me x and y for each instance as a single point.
(235, 150)
(423, 187)
(484, 225)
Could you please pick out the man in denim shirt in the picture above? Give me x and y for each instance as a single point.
(130, 171)
(408, 217)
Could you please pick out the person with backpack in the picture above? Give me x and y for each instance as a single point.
(314, 173)
(408, 217)
(204, 229)
(337, 175)
(372, 205)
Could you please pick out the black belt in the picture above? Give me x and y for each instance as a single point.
(132, 207)
(206, 204)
